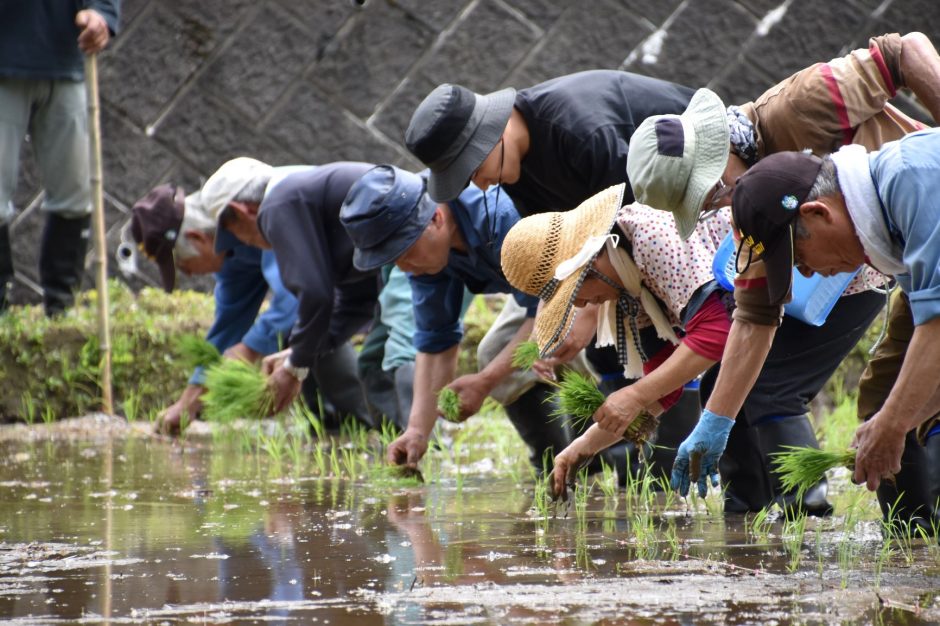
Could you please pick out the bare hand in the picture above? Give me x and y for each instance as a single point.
(582, 331)
(273, 361)
(879, 445)
(94, 33)
(176, 417)
(242, 352)
(285, 388)
(567, 464)
(618, 412)
(472, 392)
(408, 449)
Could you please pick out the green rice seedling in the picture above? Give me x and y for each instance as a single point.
(48, 414)
(541, 497)
(448, 404)
(295, 450)
(275, 444)
(351, 462)
(336, 469)
(793, 531)
(899, 531)
(525, 355)
(131, 405)
(236, 389)
(28, 404)
(319, 458)
(197, 352)
(387, 434)
(760, 524)
(671, 534)
(608, 481)
(799, 468)
(579, 397)
(386, 476)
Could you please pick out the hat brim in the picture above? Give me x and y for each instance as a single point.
(490, 116)
(393, 247)
(709, 121)
(167, 267)
(778, 263)
(594, 217)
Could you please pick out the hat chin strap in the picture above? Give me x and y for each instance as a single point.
(587, 252)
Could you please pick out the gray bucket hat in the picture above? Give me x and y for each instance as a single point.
(453, 130)
(675, 161)
(384, 213)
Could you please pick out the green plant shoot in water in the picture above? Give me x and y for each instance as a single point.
(197, 352)
(799, 468)
(525, 355)
(448, 403)
(236, 389)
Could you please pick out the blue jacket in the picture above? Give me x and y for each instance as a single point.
(438, 298)
(240, 288)
(907, 176)
(39, 38)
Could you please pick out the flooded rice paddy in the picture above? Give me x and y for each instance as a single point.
(102, 523)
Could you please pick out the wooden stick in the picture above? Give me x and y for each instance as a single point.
(101, 246)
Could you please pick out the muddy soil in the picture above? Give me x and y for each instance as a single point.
(101, 522)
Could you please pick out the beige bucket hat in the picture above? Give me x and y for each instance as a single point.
(535, 247)
(675, 161)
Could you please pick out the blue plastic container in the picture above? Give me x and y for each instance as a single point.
(813, 297)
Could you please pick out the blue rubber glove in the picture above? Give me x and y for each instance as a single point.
(708, 438)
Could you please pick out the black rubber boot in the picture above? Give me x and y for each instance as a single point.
(62, 260)
(743, 475)
(912, 496)
(339, 383)
(6, 266)
(546, 436)
(792, 430)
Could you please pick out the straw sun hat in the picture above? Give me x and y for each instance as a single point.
(536, 245)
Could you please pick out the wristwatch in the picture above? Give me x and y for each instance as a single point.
(300, 373)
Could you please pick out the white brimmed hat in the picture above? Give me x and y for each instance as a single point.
(675, 161)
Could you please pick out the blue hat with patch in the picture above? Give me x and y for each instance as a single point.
(385, 212)
(765, 204)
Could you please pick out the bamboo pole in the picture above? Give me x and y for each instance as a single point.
(101, 246)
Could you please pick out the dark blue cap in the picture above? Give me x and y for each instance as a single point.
(384, 213)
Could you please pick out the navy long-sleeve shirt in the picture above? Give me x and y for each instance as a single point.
(39, 38)
(300, 219)
(438, 298)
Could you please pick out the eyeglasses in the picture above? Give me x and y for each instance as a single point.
(716, 201)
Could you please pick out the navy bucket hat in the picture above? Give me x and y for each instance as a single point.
(384, 213)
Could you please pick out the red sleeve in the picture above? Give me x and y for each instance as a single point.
(655, 361)
(707, 331)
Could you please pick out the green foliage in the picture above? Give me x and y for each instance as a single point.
(525, 355)
(802, 467)
(58, 360)
(579, 397)
(236, 389)
(196, 351)
(448, 403)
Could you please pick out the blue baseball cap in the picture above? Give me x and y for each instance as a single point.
(384, 213)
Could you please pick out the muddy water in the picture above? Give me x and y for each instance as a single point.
(139, 530)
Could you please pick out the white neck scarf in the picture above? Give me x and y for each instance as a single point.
(864, 207)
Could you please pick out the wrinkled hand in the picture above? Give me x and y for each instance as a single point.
(273, 361)
(408, 449)
(567, 463)
(285, 388)
(618, 411)
(176, 417)
(472, 392)
(242, 352)
(94, 33)
(879, 444)
(545, 368)
(582, 331)
(697, 458)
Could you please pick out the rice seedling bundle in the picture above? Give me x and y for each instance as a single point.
(236, 389)
(579, 397)
(448, 403)
(525, 355)
(799, 468)
(196, 351)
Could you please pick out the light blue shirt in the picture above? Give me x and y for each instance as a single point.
(907, 176)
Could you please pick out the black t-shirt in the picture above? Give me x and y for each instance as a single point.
(300, 219)
(579, 133)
